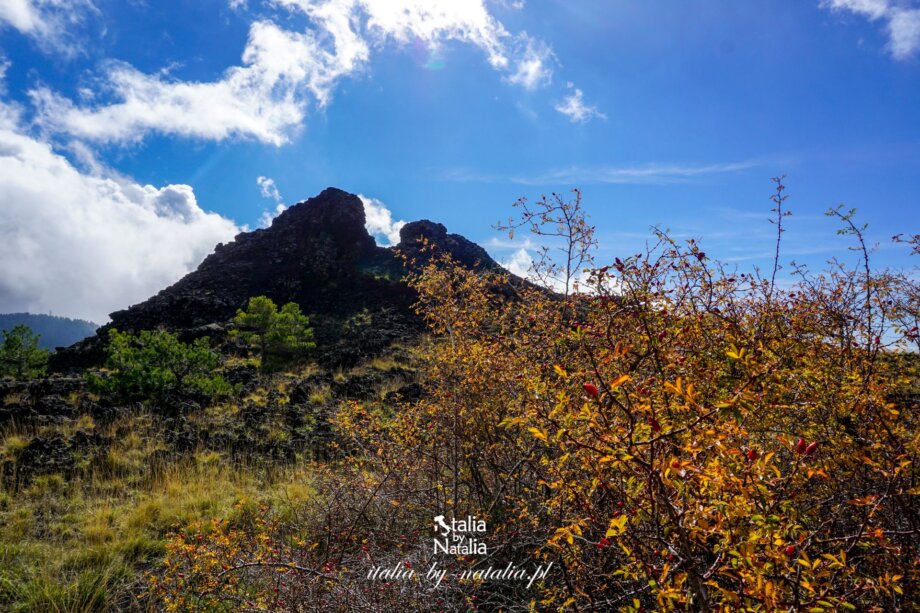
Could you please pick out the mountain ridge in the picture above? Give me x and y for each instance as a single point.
(53, 331)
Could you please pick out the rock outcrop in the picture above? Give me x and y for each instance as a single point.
(318, 254)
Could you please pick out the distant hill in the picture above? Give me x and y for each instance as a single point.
(54, 331)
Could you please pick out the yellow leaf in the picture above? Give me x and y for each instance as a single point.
(617, 526)
(619, 381)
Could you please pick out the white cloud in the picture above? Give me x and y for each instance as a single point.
(283, 72)
(506, 243)
(430, 21)
(904, 33)
(49, 22)
(4, 66)
(873, 9)
(267, 217)
(379, 220)
(574, 107)
(264, 99)
(522, 264)
(532, 68)
(83, 244)
(269, 190)
(519, 263)
(902, 21)
(651, 174)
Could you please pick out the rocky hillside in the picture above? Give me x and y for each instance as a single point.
(317, 253)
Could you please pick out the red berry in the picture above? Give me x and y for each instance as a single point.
(811, 449)
(751, 455)
(656, 427)
(591, 390)
(675, 464)
(800, 446)
(603, 542)
(790, 550)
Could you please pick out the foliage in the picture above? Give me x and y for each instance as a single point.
(20, 355)
(680, 436)
(155, 364)
(280, 336)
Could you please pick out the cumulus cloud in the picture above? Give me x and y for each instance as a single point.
(519, 263)
(86, 244)
(379, 220)
(49, 22)
(902, 22)
(574, 107)
(283, 72)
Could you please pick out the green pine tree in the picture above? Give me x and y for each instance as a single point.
(280, 336)
(155, 364)
(20, 355)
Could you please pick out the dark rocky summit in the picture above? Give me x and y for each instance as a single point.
(317, 253)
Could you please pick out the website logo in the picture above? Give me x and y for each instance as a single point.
(460, 536)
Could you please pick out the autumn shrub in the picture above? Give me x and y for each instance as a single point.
(676, 435)
(670, 433)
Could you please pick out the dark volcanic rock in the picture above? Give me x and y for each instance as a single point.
(413, 235)
(316, 253)
(45, 454)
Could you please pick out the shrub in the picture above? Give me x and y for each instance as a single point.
(644, 435)
(155, 364)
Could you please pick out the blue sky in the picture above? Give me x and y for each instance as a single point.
(133, 135)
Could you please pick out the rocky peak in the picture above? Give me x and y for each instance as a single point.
(414, 235)
(316, 253)
(334, 213)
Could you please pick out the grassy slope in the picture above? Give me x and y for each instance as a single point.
(84, 540)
